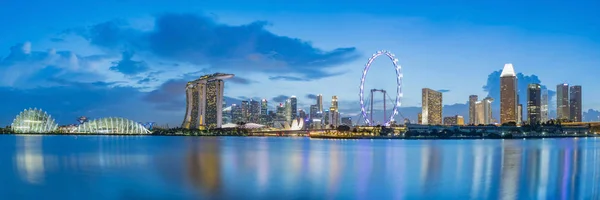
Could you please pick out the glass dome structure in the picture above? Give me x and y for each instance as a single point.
(33, 121)
(112, 125)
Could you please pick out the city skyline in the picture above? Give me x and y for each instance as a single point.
(94, 70)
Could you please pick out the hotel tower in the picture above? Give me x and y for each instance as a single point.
(204, 101)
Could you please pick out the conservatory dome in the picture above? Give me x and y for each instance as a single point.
(112, 125)
(33, 121)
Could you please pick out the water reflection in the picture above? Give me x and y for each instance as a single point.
(301, 168)
(30, 159)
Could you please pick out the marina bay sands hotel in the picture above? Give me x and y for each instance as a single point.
(204, 102)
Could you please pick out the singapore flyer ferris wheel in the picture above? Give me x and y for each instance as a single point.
(399, 95)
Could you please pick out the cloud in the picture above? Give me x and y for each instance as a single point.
(129, 67)
(311, 96)
(168, 96)
(443, 91)
(73, 99)
(202, 41)
(287, 78)
(280, 98)
(240, 80)
(25, 68)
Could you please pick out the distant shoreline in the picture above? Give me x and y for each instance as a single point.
(319, 136)
(444, 138)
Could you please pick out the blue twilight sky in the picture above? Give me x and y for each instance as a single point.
(131, 58)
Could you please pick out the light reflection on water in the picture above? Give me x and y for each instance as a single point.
(101, 167)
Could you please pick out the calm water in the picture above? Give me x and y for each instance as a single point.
(103, 167)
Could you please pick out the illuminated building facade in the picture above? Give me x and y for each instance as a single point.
(483, 111)
(534, 103)
(333, 111)
(236, 114)
(254, 111)
(454, 120)
(294, 107)
(264, 106)
(508, 95)
(33, 121)
(204, 100)
(472, 100)
(245, 111)
(313, 111)
(562, 102)
(320, 103)
(575, 104)
(431, 107)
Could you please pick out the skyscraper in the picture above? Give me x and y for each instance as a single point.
(508, 94)
(245, 111)
(562, 102)
(288, 111)
(575, 104)
(333, 110)
(313, 111)
(320, 103)
(544, 105)
(431, 106)
(472, 100)
(204, 99)
(294, 107)
(534, 103)
(483, 111)
(264, 106)
(236, 114)
(301, 114)
(254, 111)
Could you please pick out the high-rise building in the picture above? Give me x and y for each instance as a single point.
(420, 118)
(204, 99)
(534, 103)
(483, 111)
(544, 105)
(326, 117)
(301, 114)
(313, 111)
(472, 100)
(264, 106)
(562, 102)
(508, 94)
(333, 111)
(294, 107)
(575, 104)
(254, 111)
(236, 114)
(431, 106)
(280, 115)
(245, 111)
(288, 111)
(320, 103)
